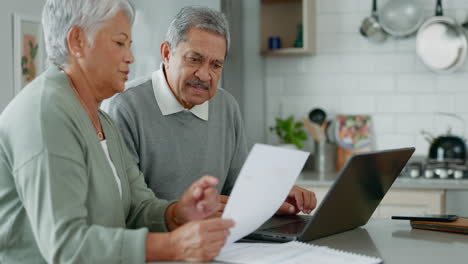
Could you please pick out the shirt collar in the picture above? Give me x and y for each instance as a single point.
(166, 100)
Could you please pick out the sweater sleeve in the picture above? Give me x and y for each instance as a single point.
(53, 190)
(53, 185)
(240, 151)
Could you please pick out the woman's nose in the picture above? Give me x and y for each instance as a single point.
(129, 57)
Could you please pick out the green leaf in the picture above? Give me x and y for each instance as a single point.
(289, 131)
(34, 52)
(24, 60)
(298, 125)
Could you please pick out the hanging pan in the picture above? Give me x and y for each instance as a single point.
(441, 43)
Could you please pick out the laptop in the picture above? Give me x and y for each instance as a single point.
(350, 202)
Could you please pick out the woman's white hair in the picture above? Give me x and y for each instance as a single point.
(197, 17)
(59, 16)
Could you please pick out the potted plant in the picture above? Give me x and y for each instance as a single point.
(290, 132)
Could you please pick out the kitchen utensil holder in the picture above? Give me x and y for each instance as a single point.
(324, 156)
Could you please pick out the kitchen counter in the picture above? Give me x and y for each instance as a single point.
(395, 242)
(312, 178)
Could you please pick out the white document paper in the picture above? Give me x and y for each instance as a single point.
(290, 253)
(263, 184)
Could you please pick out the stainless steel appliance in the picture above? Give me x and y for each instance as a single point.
(424, 168)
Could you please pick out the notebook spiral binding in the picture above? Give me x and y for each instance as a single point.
(362, 258)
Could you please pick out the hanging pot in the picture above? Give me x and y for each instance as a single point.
(441, 43)
(401, 18)
(371, 28)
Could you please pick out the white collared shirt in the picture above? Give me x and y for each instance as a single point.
(167, 101)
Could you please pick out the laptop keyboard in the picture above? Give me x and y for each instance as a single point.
(292, 228)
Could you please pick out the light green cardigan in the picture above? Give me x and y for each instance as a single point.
(59, 200)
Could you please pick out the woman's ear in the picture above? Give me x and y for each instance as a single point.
(75, 41)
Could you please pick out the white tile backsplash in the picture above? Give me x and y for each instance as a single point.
(384, 123)
(339, 42)
(395, 141)
(412, 124)
(416, 83)
(395, 104)
(461, 103)
(434, 103)
(350, 75)
(275, 85)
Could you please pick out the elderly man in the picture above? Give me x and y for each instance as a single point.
(178, 124)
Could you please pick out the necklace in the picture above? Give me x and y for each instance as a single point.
(94, 121)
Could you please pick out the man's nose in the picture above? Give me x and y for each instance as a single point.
(203, 73)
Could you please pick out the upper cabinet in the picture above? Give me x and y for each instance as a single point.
(287, 27)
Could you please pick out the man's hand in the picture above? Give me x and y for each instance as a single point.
(200, 241)
(299, 199)
(223, 201)
(198, 202)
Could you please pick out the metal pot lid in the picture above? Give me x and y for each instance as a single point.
(441, 44)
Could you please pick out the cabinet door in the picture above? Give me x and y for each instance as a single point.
(400, 202)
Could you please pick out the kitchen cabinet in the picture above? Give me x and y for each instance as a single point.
(399, 201)
(280, 19)
(406, 196)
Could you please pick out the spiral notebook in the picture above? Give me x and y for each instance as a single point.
(289, 253)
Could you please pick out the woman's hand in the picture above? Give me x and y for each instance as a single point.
(198, 202)
(200, 241)
(197, 241)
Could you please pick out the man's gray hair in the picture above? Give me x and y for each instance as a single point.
(197, 17)
(59, 16)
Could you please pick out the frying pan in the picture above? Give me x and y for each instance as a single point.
(441, 43)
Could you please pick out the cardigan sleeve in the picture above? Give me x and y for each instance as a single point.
(53, 184)
(53, 190)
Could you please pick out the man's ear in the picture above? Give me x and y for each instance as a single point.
(76, 42)
(165, 50)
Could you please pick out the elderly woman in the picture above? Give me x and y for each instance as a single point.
(69, 190)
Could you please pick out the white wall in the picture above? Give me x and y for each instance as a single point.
(349, 75)
(30, 8)
(254, 92)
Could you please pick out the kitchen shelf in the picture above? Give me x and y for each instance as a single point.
(280, 18)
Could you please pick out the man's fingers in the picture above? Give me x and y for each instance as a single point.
(313, 200)
(223, 198)
(307, 202)
(299, 200)
(286, 208)
(221, 207)
(218, 214)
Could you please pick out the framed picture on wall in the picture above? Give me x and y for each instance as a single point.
(28, 50)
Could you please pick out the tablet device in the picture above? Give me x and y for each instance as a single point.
(427, 217)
